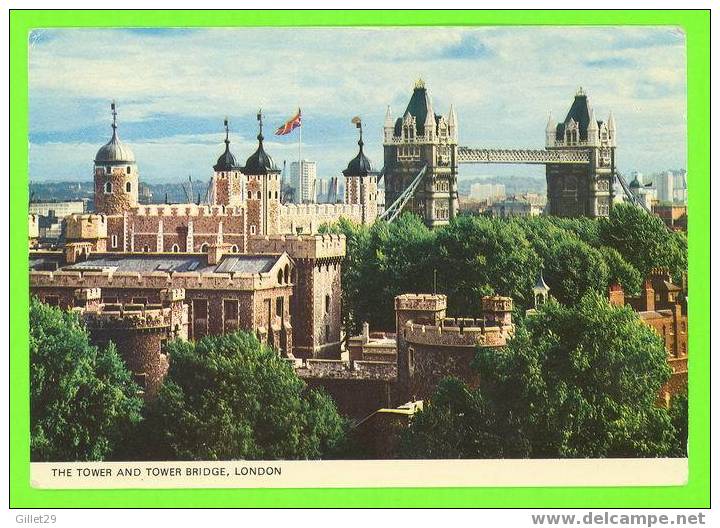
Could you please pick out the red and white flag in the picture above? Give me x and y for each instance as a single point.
(293, 123)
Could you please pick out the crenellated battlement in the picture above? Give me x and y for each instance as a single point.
(152, 280)
(421, 301)
(129, 317)
(321, 210)
(189, 209)
(85, 226)
(456, 333)
(300, 246)
(344, 370)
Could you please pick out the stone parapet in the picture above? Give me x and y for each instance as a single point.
(192, 210)
(129, 317)
(85, 226)
(299, 246)
(345, 370)
(153, 280)
(454, 336)
(421, 301)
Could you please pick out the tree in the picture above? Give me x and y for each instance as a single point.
(230, 397)
(574, 382)
(478, 256)
(82, 399)
(643, 240)
(679, 416)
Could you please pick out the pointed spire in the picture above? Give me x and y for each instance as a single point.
(452, 116)
(227, 133)
(592, 125)
(550, 124)
(389, 118)
(611, 122)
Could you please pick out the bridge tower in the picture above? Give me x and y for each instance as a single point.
(422, 138)
(581, 189)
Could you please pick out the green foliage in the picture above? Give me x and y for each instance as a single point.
(230, 397)
(643, 240)
(679, 416)
(575, 382)
(82, 399)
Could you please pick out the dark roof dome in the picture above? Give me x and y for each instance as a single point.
(418, 107)
(360, 165)
(226, 162)
(635, 184)
(260, 161)
(580, 113)
(114, 151)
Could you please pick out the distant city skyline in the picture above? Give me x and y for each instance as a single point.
(174, 87)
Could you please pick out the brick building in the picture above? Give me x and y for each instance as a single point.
(661, 306)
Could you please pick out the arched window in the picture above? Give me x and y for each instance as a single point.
(204, 248)
(129, 169)
(234, 249)
(258, 195)
(280, 276)
(128, 187)
(249, 195)
(113, 241)
(286, 273)
(175, 248)
(108, 188)
(327, 303)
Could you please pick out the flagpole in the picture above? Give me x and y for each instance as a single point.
(300, 166)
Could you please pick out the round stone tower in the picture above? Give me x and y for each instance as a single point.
(116, 175)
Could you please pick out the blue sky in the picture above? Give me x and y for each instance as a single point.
(174, 87)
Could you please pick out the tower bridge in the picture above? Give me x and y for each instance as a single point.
(522, 156)
(422, 156)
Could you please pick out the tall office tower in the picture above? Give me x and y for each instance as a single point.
(664, 185)
(303, 177)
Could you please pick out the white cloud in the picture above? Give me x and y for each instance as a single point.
(503, 89)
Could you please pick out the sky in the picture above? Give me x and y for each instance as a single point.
(174, 87)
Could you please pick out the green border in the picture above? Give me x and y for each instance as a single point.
(695, 494)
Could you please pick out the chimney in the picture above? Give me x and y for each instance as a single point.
(366, 332)
(216, 252)
(648, 297)
(616, 295)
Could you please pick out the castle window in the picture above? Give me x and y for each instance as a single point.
(141, 379)
(230, 314)
(286, 274)
(252, 229)
(234, 249)
(327, 333)
(411, 356)
(129, 169)
(204, 248)
(146, 249)
(175, 248)
(113, 241)
(279, 307)
(128, 187)
(108, 188)
(249, 195)
(280, 277)
(276, 195)
(52, 300)
(259, 195)
(108, 169)
(327, 303)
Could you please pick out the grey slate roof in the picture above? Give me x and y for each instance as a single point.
(418, 108)
(166, 262)
(580, 113)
